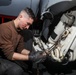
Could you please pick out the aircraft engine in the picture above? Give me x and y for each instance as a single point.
(61, 44)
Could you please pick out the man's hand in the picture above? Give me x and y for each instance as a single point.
(37, 56)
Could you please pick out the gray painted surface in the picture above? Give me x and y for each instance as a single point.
(13, 7)
(47, 3)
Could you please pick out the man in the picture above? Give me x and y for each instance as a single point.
(12, 44)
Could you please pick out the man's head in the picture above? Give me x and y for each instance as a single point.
(25, 19)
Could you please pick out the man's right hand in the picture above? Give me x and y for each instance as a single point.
(37, 56)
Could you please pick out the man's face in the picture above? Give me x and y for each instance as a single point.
(25, 22)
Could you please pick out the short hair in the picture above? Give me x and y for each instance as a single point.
(29, 12)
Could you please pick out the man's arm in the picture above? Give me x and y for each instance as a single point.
(18, 56)
(21, 47)
(25, 52)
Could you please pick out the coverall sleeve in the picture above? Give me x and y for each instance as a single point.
(5, 43)
(20, 45)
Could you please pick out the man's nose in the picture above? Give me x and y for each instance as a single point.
(27, 27)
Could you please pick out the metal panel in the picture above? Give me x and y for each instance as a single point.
(56, 4)
(13, 7)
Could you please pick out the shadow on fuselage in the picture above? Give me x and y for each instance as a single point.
(5, 2)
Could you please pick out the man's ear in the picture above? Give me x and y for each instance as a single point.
(20, 16)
